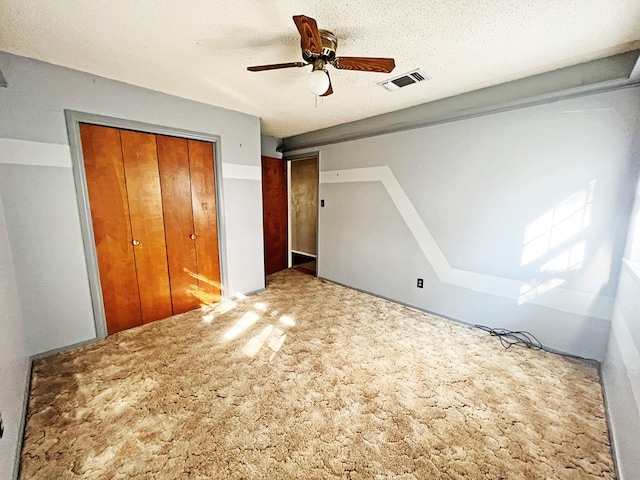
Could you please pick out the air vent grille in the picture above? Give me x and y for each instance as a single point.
(408, 78)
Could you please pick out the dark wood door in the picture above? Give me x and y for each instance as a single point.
(175, 179)
(205, 220)
(147, 223)
(104, 169)
(274, 214)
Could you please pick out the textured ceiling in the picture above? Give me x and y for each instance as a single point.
(199, 49)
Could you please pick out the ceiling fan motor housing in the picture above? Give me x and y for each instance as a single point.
(329, 46)
(319, 49)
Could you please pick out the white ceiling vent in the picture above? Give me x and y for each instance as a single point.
(405, 79)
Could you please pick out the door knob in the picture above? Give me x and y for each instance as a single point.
(136, 242)
(192, 236)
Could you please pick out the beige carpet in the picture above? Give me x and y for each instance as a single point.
(310, 380)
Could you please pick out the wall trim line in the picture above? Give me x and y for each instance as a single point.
(607, 415)
(628, 351)
(239, 295)
(23, 423)
(562, 299)
(14, 151)
(241, 172)
(66, 348)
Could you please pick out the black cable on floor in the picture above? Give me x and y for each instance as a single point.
(509, 338)
(522, 339)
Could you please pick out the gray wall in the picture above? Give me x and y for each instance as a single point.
(459, 203)
(37, 188)
(621, 367)
(44, 289)
(14, 362)
(269, 145)
(621, 373)
(45, 239)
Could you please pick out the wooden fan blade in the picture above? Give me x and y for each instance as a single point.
(329, 90)
(275, 66)
(365, 64)
(309, 35)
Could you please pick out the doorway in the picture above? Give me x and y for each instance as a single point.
(303, 217)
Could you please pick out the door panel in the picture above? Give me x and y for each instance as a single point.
(274, 209)
(107, 189)
(201, 166)
(173, 161)
(147, 223)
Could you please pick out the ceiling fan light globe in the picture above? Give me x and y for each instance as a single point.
(319, 82)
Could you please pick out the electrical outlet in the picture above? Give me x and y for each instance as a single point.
(420, 283)
(322, 203)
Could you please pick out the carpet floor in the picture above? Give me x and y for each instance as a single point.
(311, 380)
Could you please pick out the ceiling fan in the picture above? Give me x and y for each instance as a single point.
(318, 50)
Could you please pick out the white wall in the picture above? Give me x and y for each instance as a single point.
(456, 205)
(621, 374)
(621, 366)
(14, 362)
(36, 179)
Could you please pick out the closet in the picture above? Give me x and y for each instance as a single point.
(153, 210)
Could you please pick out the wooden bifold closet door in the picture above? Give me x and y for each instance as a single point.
(153, 208)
